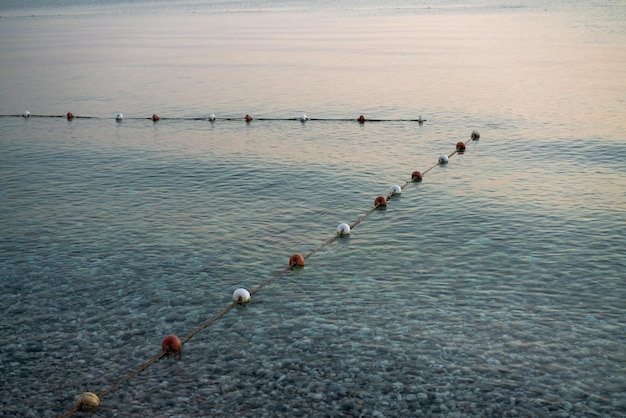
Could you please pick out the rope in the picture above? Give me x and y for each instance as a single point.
(133, 374)
(206, 118)
(424, 173)
(368, 213)
(69, 413)
(208, 322)
(271, 279)
(228, 308)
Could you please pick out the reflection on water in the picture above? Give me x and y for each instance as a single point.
(492, 288)
(536, 68)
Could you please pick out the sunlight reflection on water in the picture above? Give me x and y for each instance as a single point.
(491, 288)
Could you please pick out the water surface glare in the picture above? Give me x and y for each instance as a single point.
(495, 287)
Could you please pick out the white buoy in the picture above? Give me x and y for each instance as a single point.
(303, 118)
(443, 159)
(475, 135)
(343, 229)
(395, 189)
(119, 116)
(241, 295)
(212, 117)
(26, 114)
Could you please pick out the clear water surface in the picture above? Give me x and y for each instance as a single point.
(493, 288)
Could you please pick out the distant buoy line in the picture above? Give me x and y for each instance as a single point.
(212, 118)
(173, 345)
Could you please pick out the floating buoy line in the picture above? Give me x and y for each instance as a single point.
(173, 345)
(119, 117)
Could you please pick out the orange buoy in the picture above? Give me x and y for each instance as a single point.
(361, 119)
(380, 201)
(416, 176)
(69, 116)
(155, 117)
(248, 118)
(296, 260)
(172, 344)
(460, 146)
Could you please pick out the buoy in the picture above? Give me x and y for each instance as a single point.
(172, 344)
(119, 116)
(416, 176)
(212, 117)
(460, 146)
(343, 229)
(296, 260)
(380, 202)
(87, 402)
(475, 135)
(69, 116)
(26, 114)
(361, 119)
(303, 118)
(420, 120)
(241, 295)
(443, 159)
(248, 118)
(395, 189)
(155, 117)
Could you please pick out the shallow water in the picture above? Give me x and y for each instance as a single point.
(495, 287)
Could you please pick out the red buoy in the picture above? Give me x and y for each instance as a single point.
(155, 117)
(460, 146)
(380, 201)
(70, 115)
(172, 344)
(296, 260)
(248, 118)
(416, 176)
(361, 119)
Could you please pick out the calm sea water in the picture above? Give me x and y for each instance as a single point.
(495, 287)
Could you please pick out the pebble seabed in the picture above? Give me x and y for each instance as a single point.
(372, 357)
(441, 329)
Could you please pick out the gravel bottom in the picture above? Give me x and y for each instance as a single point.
(373, 357)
